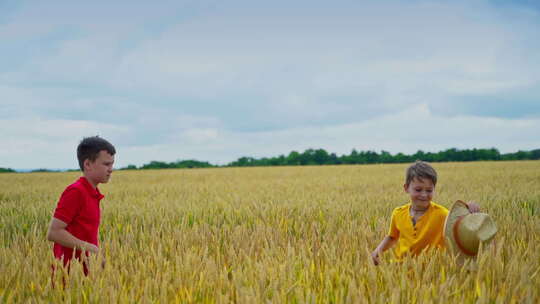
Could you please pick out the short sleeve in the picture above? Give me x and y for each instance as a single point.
(69, 205)
(393, 232)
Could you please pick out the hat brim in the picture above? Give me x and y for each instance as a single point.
(458, 210)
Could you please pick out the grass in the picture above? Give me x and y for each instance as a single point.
(280, 234)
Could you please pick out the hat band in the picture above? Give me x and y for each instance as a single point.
(458, 240)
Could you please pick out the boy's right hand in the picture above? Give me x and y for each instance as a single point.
(375, 257)
(91, 248)
(473, 207)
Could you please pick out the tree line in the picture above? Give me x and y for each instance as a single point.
(322, 157)
(312, 157)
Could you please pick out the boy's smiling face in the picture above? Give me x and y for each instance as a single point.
(421, 192)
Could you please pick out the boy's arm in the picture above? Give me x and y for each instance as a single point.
(57, 233)
(386, 243)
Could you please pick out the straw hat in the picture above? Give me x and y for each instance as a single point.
(464, 230)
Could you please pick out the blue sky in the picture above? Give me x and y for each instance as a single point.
(217, 80)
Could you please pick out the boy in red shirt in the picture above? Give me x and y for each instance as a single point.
(75, 223)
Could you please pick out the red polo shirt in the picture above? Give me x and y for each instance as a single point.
(78, 207)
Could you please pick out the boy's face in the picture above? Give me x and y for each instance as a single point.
(100, 170)
(421, 191)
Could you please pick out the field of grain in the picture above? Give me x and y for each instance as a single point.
(280, 235)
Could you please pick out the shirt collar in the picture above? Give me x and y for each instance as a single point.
(409, 206)
(93, 191)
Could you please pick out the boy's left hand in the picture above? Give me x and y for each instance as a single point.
(473, 207)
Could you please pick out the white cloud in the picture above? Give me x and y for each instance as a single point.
(221, 80)
(408, 131)
(200, 136)
(40, 143)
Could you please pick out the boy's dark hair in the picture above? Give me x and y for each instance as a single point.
(420, 170)
(90, 147)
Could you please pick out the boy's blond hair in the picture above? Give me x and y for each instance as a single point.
(420, 170)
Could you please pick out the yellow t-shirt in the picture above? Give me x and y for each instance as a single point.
(428, 231)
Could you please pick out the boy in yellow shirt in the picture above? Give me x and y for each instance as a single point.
(418, 225)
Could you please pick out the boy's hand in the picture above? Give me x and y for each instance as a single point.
(473, 207)
(91, 248)
(375, 257)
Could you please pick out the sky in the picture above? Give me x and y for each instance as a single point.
(218, 80)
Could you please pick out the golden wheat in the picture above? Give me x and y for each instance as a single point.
(280, 234)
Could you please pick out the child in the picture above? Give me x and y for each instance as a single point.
(418, 225)
(75, 222)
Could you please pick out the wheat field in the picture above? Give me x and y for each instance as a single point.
(270, 235)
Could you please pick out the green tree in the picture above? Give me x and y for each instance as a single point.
(293, 158)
